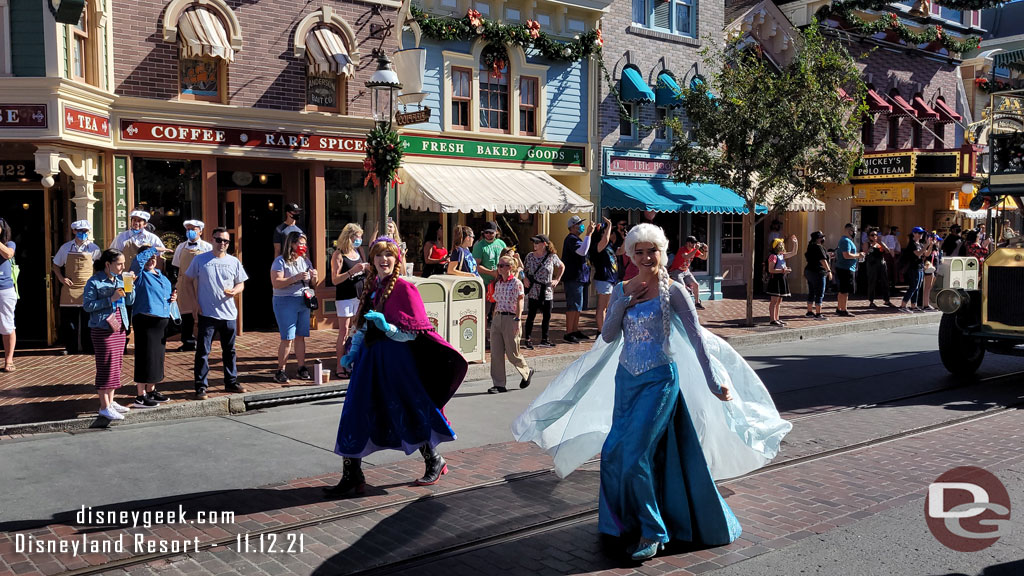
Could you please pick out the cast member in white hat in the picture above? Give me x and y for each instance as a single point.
(136, 236)
(72, 265)
(183, 255)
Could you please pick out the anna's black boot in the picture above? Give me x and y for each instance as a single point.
(436, 466)
(352, 480)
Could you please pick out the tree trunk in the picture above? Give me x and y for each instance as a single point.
(749, 223)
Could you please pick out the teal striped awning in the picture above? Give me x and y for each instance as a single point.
(1013, 59)
(632, 86)
(664, 195)
(668, 93)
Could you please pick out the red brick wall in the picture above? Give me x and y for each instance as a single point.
(909, 73)
(265, 73)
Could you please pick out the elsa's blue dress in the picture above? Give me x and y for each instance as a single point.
(666, 433)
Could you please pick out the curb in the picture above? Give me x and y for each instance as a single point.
(239, 403)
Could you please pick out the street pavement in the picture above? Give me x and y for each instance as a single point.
(280, 457)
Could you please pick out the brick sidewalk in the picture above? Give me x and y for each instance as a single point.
(396, 520)
(48, 386)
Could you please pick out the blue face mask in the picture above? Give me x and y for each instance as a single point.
(82, 235)
(191, 234)
(357, 242)
(136, 232)
(581, 228)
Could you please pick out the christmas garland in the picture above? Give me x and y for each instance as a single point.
(962, 5)
(988, 86)
(528, 36)
(383, 156)
(891, 22)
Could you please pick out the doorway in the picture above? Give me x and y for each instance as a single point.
(25, 212)
(261, 212)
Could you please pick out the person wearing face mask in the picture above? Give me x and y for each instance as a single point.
(183, 255)
(576, 276)
(105, 300)
(348, 269)
(136, 236)
(291, 275)
(72, 265)
(508, 311)
(291, 212)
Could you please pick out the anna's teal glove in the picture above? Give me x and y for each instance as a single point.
(380, 322)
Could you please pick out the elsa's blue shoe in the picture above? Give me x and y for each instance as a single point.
(646, 549)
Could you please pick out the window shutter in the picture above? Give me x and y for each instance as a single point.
(975, 17)
(936, 9)
(663, 14)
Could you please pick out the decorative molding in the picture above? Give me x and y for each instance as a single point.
(177, 7)
(678, 39)
(329, 17)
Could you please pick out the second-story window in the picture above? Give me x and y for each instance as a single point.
(867, 132)
(462, 97)
(204, 52)
(626, 121)
(528, 106)
(675, 16)
(660, 130)
(80, 47)
(328, 67)
(494, 106)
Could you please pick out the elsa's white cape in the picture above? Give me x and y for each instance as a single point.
(572, 417)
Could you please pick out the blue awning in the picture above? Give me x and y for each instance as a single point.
(668, 93)
(633, 88)
(664, 195)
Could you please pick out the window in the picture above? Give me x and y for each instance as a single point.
(462, 97)
(200, 79)
(512, 15)
(676, 16)
(940, 136)
(170, 190)
(626, 121)
(661, 131)
(575, 25)
(494, 108)
(950, 14)
(326, 93)
(450, 3)
(1001, 72)
(483, 9)
(732, 234)
(917, 136)
(544, 20)
(528, 106)
(328, 67)
(867, 132)
(80, 47)
(894, 133)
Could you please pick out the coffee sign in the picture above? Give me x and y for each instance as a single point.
(23, 116)
(900, 165)
(135, 131)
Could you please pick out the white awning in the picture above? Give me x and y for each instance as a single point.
(450, 189)
(326, 53)
(804, 203)
(202, 34)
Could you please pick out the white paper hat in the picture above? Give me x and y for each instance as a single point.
(139, 214)
(194, 223)
(81, 225)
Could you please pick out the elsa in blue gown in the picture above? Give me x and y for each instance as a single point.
(687, 409)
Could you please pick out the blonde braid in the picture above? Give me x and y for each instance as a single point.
(665, 295)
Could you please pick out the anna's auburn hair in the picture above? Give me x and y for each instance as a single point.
(366, 300)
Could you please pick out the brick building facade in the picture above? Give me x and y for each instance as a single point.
(218, 110)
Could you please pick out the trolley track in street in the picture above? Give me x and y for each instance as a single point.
(564, 521)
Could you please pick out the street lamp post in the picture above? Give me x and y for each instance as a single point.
(383, 85)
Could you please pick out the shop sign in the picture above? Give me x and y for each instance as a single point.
(120, 194)
(938, 165)
(640, 167)
(86, 122)
(23, 116)
(883, 194)
(133, 131)
(490, 151)
(18, 171)
(899, 165)
(417, 117)
(322, 91)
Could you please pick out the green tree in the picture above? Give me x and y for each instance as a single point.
(772, 134)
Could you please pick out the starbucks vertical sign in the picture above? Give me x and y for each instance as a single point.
(120, 194)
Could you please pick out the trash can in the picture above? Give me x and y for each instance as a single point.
(465, 312)
(958, 272)
(435, 300)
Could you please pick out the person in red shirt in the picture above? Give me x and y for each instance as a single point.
(680, 269)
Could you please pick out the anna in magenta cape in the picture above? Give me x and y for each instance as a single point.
(441, 368)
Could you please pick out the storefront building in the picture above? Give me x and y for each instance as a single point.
(915, 158)
(506, 142)
(191, 109)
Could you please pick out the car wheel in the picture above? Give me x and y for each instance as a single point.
(960, 354)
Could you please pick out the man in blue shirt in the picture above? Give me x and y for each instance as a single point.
(847, 257)
(218, 277)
